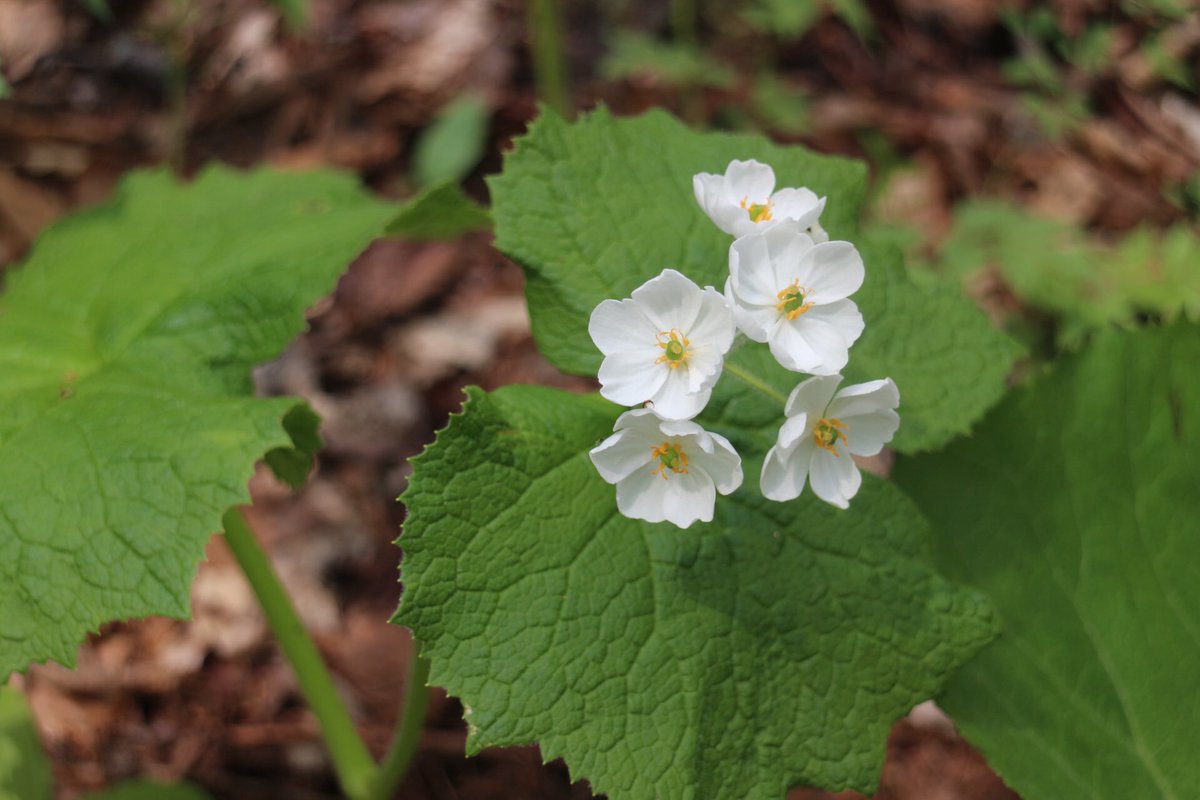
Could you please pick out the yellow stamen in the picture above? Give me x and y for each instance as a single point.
(670, 456)
(791, 300)
(759, 212)
(675, 348)
(827, 433)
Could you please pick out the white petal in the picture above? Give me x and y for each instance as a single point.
(750, 270)
(792, 349)
(723, 464)
(644, 421)
(757, 322)
(828, 331)
(783, 475)
(866, 434)
(865, 398)
(682, 498)
(714, 324)
(818, 233)
(690, 497)
(703, 368)
(680, 428)
(793, 430)
(835, 479)
(631, 378)
(812, 396)
(835, 271)
(675, 400)
(617, 325)
(707, 188)
(669, 301)
(788, 246)
(642, 495)
(801, 205)
(751, 181)
(618, 456)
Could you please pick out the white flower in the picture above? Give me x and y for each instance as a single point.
(743, 200)
(823, 430)
(665, 344)
(790, 292)
(666, 469)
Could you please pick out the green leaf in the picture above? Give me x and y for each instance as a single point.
(451, 147)
(292, 464)
(441, 212)
(24, 769)
(787, 18)
(773, 646)
(1054, 267)
(99, 9)
(129, 426)
(296, 12)
(1074, 506)
(594, 209)
(674, 64)
(151, 790)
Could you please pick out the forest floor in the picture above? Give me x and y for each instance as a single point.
(928, 97)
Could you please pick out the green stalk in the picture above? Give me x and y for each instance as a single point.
(755, 383)
(683, 21)
(549, 60)
(408, 729)
(355, 768)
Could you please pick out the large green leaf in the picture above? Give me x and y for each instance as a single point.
(440, 212)
(772, 646)
(129, 425)
(24, 770)
(595, 208)
(1075, 507)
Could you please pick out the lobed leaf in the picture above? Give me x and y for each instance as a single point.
(129, 425)
(773, 646)
(1074, 506)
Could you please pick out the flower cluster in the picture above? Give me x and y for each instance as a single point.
(664, 349)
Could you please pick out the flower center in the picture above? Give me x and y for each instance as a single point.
(759, 212)
(791, 300)
(828, 432)
(675, 348)
(670, 457)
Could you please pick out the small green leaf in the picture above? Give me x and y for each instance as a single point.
(594, 209)
(295, 12)
(292, 464)
(771, 647)
(99, 9)
(441, 212)
(787, 18)
(24, 769)
(151, 790)
(1074, 506)
(450, 148)
(129, 425)
(670, 63)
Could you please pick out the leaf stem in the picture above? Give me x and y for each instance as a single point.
(408, 729)
(755, 383)
(355, 768)
(549, 60)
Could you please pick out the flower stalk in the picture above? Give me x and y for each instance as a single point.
(356, 770)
